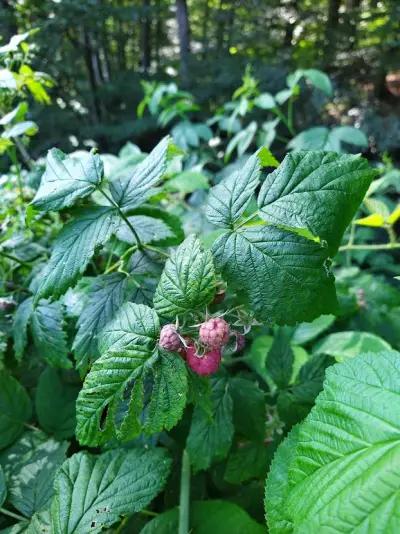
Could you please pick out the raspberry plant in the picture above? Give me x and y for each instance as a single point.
(167, 340)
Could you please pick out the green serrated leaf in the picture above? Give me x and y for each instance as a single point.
(351, 435)
(248, 408)
(55, 404)
(67, 179)
(20, 327)
(228, 200)
(168, 395)
(93, 492)
(280, 358)
(210, 440)
(104, 298)
(247, 462)
(316, 191)
(74, 248)
(15, 409)
(126, 345)
(284, 276)
(131, 190)
(47, 332)
(31, 484)
(277, 486)
(188, 280)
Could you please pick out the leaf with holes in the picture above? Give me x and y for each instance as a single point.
(67, 179)
(132, 387)
(188, 280)
(93, 492)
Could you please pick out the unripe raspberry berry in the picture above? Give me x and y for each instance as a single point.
(205, 364)
(214, 333)
(169, 338)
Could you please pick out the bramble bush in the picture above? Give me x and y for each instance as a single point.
(174, 355)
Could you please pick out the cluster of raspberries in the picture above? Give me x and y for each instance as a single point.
(213, 335)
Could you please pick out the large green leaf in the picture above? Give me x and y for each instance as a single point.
(277, 486)
(284, 276)
(343, 474)
(113, 400)
(55, 404)
(248, 408)
(207, 517)
(188, 280)
(316, 191)
(342, 345)
(228, 200)
(104, 298)
(48, 335)
(209, 439)
(131, 190)
(20, 327)
(75, 247)
(66, 179)
(15, 409)
(31, 483)
(93, 492)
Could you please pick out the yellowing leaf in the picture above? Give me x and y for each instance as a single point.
(376, 220)
(394, 216)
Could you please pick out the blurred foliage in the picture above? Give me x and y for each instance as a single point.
(100, 51)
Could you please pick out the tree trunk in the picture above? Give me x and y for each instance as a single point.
(146, 36)
(331, 28)
(206, 17)
(88, 55)
(182, 18)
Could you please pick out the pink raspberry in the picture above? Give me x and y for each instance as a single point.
(214, 333)
(169, 338)
(205, 364)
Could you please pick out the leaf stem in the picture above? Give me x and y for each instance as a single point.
(247, 219)
(11, 514)
(184, 496)
(376, 246)
(155, 249)
(119, 262)
(14, 258)
(124, 217)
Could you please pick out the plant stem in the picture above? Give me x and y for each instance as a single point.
(119, 262)
(14, 258)
(150, 513)
(155, 249)
(11, 514)
(281, 115)
(124, 217)
(24, 153)
(184, 497)
(290, 116)
(377, 246)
